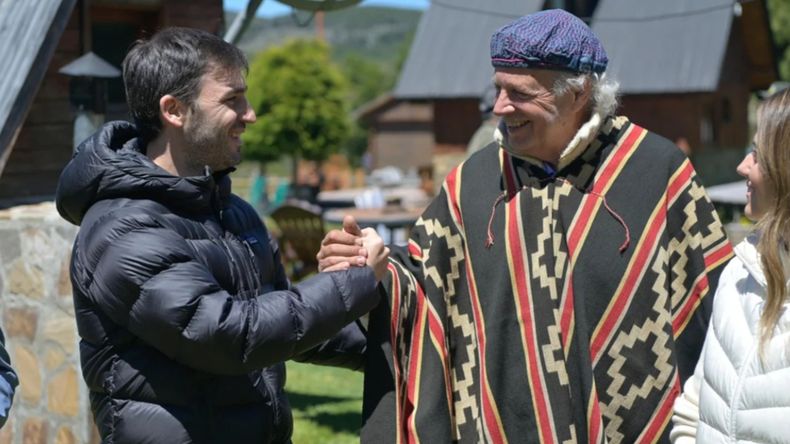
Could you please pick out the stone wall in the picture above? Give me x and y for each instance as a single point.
(37, 315)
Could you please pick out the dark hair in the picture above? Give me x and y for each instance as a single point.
(173, 62)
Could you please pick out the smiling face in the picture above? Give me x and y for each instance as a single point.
(758, 193)
(539, 123)
(216, 120)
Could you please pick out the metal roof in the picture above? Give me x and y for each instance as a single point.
(450, 54)
(29, 33)
(664, 46)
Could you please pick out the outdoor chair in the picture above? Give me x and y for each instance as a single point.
(301, 232)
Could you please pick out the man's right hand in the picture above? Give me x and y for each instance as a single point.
(378, 253)
(352, 246)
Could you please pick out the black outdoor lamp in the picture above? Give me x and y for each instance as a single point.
(88, 86)
(88, 92)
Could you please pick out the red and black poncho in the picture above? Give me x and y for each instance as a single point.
(541, 306)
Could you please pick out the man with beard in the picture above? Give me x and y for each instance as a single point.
(558, 288)
(182, 305)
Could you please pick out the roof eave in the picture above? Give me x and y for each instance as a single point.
(27, 92)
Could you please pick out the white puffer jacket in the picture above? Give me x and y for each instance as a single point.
(734, 396)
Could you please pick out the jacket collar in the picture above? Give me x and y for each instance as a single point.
(747, 252)
(112, 164)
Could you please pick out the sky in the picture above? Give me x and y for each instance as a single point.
(271, 8)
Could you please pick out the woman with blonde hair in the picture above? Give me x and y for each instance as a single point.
(740, 391)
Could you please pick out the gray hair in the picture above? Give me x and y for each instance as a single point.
(604, 97)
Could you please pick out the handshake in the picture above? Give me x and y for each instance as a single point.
(353, 246)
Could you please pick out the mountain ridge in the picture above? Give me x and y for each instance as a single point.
(374, 32)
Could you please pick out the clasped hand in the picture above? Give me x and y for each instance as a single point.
(352, 246)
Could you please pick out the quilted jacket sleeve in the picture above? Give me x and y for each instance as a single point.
(346, 349)
(685, 412)
(144, 278)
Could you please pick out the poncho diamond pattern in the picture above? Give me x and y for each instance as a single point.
(575, 320)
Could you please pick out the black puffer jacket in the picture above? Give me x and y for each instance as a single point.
(181, 300)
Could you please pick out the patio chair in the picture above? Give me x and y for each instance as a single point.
(301, 232)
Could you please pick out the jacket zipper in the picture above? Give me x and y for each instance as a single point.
(255, 269)
(215, 206)
(219, 213)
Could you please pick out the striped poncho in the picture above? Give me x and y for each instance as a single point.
(535, 305)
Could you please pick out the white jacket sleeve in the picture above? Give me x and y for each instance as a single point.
(685, 416)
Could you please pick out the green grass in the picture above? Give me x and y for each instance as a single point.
(326, 403)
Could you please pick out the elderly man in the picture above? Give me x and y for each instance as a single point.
(558, 289)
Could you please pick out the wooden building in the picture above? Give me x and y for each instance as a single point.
(687, 70)
(39, 37)
(400, 132)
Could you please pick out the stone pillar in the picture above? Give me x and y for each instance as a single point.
(37, 315)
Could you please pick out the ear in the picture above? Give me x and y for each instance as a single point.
(581, 99)
(172, 111)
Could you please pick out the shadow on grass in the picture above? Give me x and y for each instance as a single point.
(304, 401)
(320, 409)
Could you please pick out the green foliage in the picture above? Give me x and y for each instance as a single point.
(403, 51)
(300, 98)
(326, 402)
(357, 145)
(374, 33)
(369, 43)
(369, 79)
(779, 11)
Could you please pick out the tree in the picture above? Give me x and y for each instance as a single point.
(780, 23)
(370, 80)
(300, 98)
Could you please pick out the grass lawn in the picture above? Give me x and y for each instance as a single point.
(326, 403)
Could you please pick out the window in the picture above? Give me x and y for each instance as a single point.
(707, 129)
